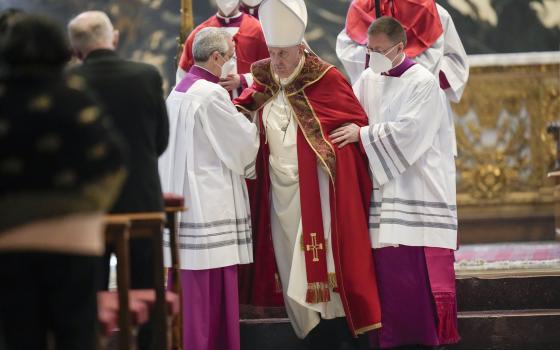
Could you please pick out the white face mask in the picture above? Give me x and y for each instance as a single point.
(229, 67)
(379, 63)
(252, 3)
(227, 6)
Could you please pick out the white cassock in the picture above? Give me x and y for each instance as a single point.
(212, 149)
(409, 144)
(281, 132)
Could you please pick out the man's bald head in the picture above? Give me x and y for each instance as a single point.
(91, 30)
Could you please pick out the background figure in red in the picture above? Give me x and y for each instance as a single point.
(251, 7)
(418, 17)
(249, 41)
(432, 40)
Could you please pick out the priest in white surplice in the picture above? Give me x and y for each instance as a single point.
(212, 149)
(413, 216)
(433, 42)
(436, 45)
(315, 195)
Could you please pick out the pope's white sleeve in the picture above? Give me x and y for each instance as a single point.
(248, 78)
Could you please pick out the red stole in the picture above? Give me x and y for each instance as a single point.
(250, 45)
(419, 18)
(322, 100)
(314, 244)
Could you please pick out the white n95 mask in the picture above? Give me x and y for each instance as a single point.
(379, 63)
(227, 6)
(229, 67)
(252, 3)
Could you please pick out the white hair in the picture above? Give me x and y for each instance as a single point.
(209, 40)
(90, 30)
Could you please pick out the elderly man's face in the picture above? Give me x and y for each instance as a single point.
(285, 59)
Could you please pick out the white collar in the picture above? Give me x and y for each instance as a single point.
(230, 17)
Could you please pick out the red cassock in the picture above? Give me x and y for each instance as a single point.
(250, 45)
(322, 101)
(419, 18)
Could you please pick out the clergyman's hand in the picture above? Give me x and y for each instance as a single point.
(345, 135)
(232, 82)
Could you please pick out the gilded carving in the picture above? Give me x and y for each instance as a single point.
(504, 151)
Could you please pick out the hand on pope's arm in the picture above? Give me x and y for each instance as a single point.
(346, 134)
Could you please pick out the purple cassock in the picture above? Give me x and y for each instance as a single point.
(210, 300)
(416, 289)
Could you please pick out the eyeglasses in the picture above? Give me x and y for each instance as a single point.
(227, 56)
(383, 52)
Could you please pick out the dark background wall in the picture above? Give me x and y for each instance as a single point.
(149, 27)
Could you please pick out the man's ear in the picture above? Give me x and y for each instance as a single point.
(115, 38)
(401, 48)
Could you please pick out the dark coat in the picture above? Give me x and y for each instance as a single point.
(132, 95)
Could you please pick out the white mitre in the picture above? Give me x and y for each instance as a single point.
(283, 22)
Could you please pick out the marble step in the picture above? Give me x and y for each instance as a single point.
(480, 330)
(508, 290)
(480, 291)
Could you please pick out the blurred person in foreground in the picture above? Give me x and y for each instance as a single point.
(60, 168)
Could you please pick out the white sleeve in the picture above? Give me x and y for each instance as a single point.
(358, 90)
(392, 147)
(232, 136)
(454, 64)
(432, 57)
(351, 54)
(179, 75)
(248, 78)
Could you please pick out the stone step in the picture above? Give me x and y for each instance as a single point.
(508, 290)
(509, 330)
(269, 334)
(486, 330)
(480, 291)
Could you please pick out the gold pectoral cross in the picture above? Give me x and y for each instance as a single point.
(315, 247)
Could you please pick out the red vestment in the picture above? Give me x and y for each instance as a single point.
(322, 100)
(250, 45)
(419, 18)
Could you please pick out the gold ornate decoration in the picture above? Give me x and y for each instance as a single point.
(187, 25)
(504, 151)
(314, 246)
